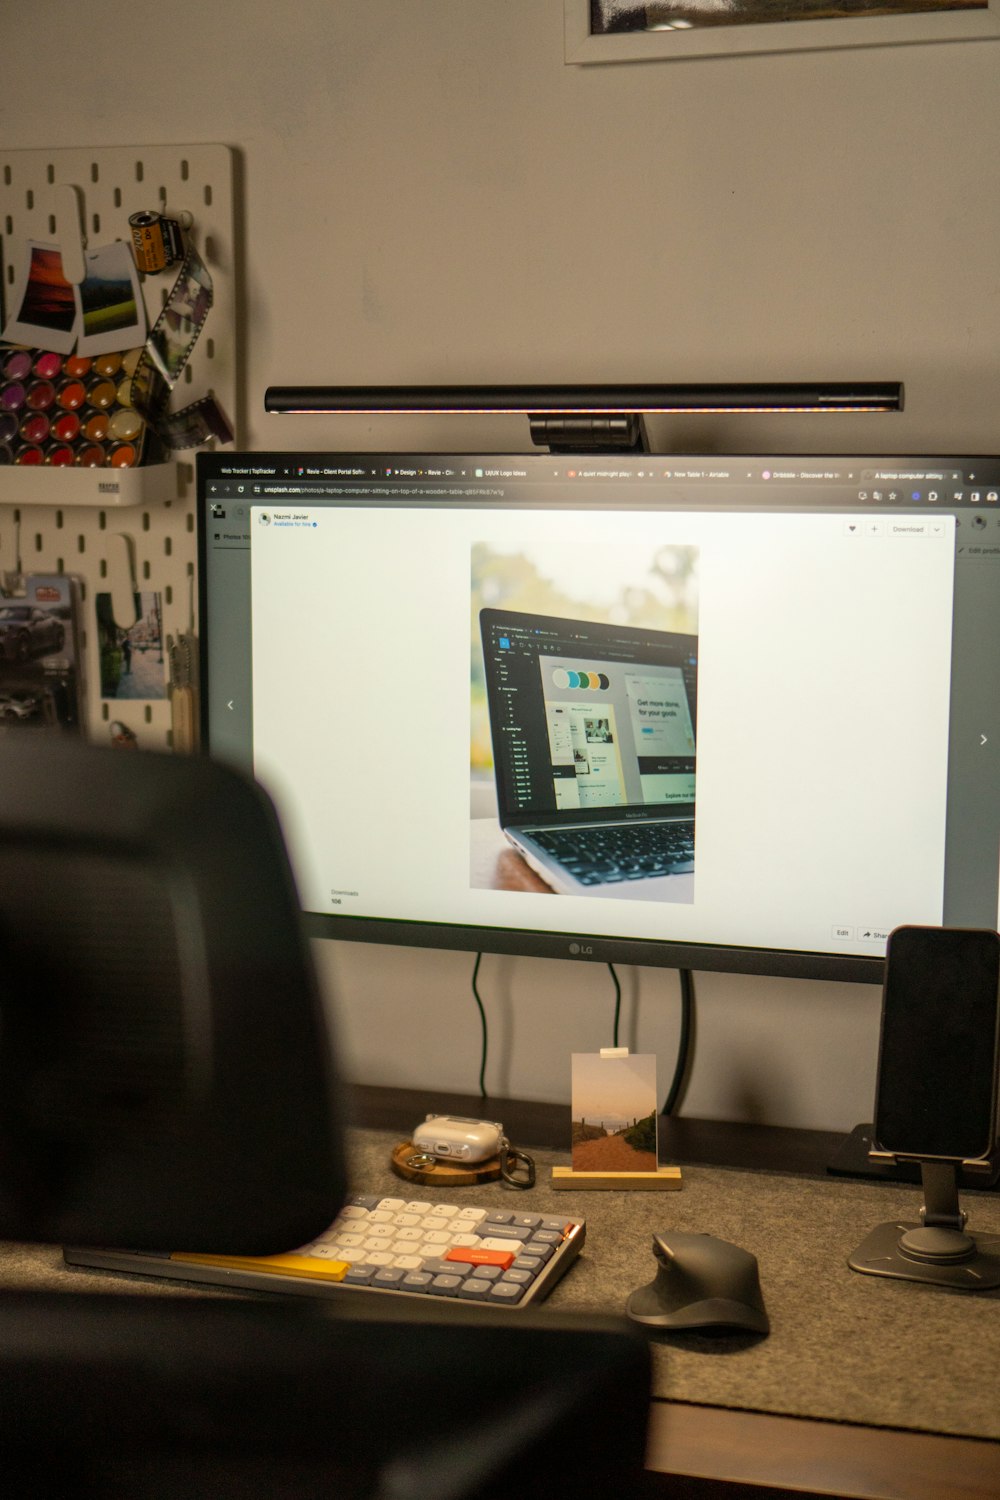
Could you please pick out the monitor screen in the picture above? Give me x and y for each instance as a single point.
(731, 713)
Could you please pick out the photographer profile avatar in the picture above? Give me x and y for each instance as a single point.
(264, 518)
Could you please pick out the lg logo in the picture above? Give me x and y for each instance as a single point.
(580, 950)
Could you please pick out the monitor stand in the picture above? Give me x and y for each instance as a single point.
(851, 1160)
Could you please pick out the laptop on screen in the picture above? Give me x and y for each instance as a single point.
(593, 732)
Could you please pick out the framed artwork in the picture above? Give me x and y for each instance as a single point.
(605, 31)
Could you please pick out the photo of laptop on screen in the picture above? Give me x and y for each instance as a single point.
(593, 730)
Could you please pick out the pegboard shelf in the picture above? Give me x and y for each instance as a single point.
(150, 484)
(141, 534)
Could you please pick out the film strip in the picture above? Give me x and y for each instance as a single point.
(159, 242)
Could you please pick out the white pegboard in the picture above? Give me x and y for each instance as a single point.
(55, 532)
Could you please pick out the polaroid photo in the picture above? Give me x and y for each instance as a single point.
(44, 311)
(614, 1111)
(111, 312)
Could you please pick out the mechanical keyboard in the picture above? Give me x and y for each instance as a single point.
(404, 1247)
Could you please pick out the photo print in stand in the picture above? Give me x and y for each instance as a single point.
(614, 1110)
(584, 668)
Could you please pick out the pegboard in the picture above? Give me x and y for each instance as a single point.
(48, 528)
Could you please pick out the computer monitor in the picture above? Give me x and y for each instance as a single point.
(763, 687)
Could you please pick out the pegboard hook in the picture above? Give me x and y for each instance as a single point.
(67, 209)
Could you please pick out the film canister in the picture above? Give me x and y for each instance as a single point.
(155, 241)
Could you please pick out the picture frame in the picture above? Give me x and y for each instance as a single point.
(734, 37)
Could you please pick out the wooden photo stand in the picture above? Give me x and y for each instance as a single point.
(663, 1179)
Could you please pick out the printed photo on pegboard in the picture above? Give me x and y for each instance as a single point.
(132, 656)
(40, 680)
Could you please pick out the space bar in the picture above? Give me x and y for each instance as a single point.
(307, 1266)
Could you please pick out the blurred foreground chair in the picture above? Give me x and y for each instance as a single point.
(167, 1076)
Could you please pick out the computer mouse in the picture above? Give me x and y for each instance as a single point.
(701, 1282)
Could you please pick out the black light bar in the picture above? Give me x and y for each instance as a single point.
(589, 400)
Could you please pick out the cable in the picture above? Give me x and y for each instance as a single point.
(685, 1042)
(618, 1005)
(485, 1029)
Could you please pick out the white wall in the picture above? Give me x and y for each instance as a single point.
(430, 194)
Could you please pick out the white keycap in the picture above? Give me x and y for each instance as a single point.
(444, 1210)
(390, 1203)
(407, 1221)
(352, 1239)
(380, 1216)
(407, 1262)
(490, 1244)
(378, 1258)
(465, 1241)
(436, 1237)
(353, 1211)
(410, 1236)
(471, 1215)
(323, 1252)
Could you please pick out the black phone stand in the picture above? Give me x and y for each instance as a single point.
(938, 1249)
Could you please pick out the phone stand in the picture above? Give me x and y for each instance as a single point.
(938, 1249)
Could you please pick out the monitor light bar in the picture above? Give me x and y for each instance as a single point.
(583, 400)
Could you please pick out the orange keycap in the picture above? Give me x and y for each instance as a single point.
(471, 1256)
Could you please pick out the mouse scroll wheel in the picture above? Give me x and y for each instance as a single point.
(662, 1250)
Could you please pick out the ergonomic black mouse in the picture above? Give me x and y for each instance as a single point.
(701, 1282)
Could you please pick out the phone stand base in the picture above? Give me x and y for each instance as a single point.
(662, 1180)
(911, 1252)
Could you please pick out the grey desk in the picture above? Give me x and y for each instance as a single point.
(864, 1387)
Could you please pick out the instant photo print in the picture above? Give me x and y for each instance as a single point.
(42, 302)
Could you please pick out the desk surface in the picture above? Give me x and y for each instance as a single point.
(864, 1387)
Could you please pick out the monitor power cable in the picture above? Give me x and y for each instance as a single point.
(485, 1030)
(685, 1045)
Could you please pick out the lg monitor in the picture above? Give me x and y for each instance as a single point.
(718, 712)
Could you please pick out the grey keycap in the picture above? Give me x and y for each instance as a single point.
(506, 1291)
(445, 1286)
(475, 1288)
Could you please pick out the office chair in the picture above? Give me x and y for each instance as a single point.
(167, 1075)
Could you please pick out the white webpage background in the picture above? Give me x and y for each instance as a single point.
(823, 689)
